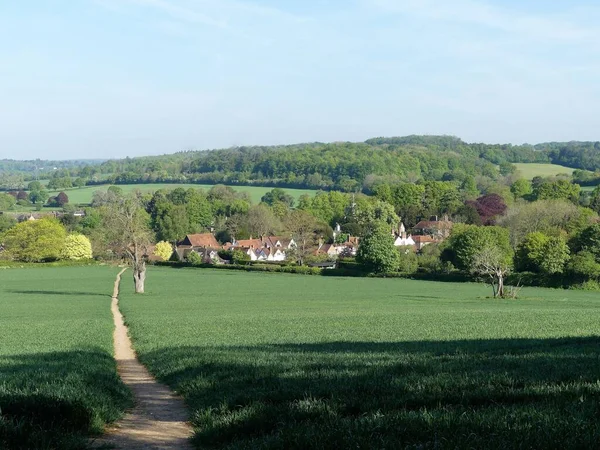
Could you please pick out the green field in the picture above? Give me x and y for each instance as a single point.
(84, 195)
(531, 170)
(284, 361)
(58, 380)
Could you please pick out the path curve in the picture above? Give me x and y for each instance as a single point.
(159, 418)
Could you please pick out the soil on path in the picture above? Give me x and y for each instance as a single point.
(159, 418)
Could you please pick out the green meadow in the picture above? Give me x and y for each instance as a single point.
(288, 361)
(58, 380)
(84, 195)
(532, 170)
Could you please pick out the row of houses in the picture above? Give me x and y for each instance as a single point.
(277, 248)
(265, 248)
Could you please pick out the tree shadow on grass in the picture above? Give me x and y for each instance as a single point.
(54, 400)
(500, 394)
(61, 293)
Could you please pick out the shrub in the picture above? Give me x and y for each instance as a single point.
(194, 258)
(164, 250)
(76, 247)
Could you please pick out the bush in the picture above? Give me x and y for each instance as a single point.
(164, 250)
(76, 247)
(194, 258)
(590, 285)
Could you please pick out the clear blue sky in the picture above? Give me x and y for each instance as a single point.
(115, 78)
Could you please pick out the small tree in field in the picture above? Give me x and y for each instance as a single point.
(76, 247)
(127, 228)
(164, 250)
(491, 261)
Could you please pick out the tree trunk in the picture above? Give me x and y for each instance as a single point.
(500, 285)
(139, 276)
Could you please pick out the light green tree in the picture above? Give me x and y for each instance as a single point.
(35, 241)
(76, 247)
(164, 250)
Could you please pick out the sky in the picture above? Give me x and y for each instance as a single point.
(116, 78)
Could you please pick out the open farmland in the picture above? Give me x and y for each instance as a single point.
(532, 170)
(283, 361)
(84, 195)
(58, 381)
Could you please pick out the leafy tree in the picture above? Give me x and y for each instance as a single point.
(199, 210)
(584, 264)
(6, 222)
(164, 250)
(376, 251)
(171, 222)
(127, 228)
(557, 190)
(467, 240)
(589, 241)
(547, 216)
(76, 247)
(38, 197)
(6, 202)
(468, 214)
(521, 188)
(557, 254)
(79, 182)
(35, 240)
(542, 253)
(35, 186)
(278, 195)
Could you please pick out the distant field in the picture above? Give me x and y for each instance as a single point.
(58, 380)
(84, 195)
(530, 171)
(283, 361)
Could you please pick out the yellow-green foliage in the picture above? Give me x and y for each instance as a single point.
(164, 250)
(35, 240)
(76, 247)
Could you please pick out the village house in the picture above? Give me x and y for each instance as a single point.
(267, 248)
(198, 243)
(438, 229)
(401, 239)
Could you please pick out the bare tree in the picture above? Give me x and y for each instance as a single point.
(128, 233)
(303, 227)
(490, 261)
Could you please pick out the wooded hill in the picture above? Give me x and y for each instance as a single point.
(344, 166)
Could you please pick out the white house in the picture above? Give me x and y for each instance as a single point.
(403, 239)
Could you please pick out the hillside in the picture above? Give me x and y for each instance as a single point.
(344, 166)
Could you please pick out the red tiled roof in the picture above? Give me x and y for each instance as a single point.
(249, 243)
(433, 224)
(201, 240)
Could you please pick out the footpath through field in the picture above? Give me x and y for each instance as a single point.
(159, 418)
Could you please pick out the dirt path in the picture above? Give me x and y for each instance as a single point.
(159, 418)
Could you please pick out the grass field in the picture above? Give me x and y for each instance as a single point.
(284, 361)
(84, 195)
(531, 170)
(58, 380)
